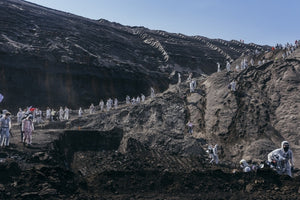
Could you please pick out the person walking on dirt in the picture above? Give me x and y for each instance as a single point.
(282, 159)
(27, 128)
(5, 127)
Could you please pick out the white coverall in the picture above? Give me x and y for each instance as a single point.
(284, 154)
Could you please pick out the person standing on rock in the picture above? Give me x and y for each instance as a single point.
(284, 163)
(39, 116)
(213, 154)
(193, 85)
(52, 115)
(19, 115)
(179, 78)
(101, 104)
(190, 127)
(116, 103)
(190, 76)
(67, 113)
(127, 100)
(48, 113)
(228, 66)
(27, 128)
(5, 127)
(92, 108)
(219, 67)
(138, 100)
(143, 97)
(233, 85)
(61, 114)
(80, 112)
(152, 92)
(252, 62)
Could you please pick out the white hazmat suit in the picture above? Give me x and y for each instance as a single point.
(283, 157)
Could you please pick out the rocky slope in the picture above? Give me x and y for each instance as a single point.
(52, 58)
(144, 151)
(247, 123)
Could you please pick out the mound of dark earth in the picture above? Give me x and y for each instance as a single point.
(52, 58)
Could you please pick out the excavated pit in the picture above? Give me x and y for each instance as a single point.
(72, 141)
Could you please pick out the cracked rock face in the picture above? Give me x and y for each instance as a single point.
(52, 58)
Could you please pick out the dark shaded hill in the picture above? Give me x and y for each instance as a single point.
(48, 57)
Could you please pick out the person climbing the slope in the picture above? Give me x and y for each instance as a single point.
(190, 127)
(213, 154)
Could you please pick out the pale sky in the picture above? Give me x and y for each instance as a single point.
(258, 21)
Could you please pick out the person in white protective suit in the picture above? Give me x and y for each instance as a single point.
(61, 114)
(179, 78)
(67, 113)
(48, 113)
(92, 109)
(192, 89)
(282, 159)
(127, 99)
(116, 103)
(152, 92)
(143, 97)
(213, 154)
(227, 66)
(138, 100)
(252, 62)
(19, 115)
(108, 105)
(101, 104)
(190, 76)
(219, 67)
(80, 112)
(233, 85)
(245, 166)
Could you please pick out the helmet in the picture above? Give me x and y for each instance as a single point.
(247, 169)
(242, 161)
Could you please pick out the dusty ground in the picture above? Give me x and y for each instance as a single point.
(66, 165)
